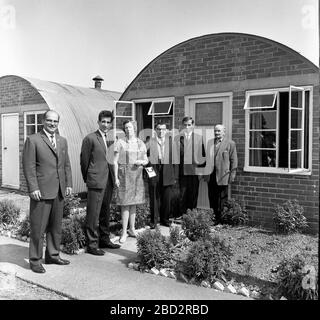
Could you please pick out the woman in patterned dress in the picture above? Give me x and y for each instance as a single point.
(130, 157)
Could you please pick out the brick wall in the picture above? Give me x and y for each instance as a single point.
(15, 96)
(208, 61)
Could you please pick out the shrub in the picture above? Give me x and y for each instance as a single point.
(206, 259)
(233, 214)
(24, 227)
(142, 216)
(115, 214)
(176, 234)
(71, 203)
(153, 249)
(197, 223)
(73, 236)
(9, 213)
(289, 217)
(297, 280)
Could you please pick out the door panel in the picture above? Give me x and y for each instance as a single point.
(10, 150)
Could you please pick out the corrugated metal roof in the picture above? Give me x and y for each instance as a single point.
(78, 108)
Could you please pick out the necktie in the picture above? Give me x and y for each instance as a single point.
(52, 141)
(105, 140)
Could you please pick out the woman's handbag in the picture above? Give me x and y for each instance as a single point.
(149, 172)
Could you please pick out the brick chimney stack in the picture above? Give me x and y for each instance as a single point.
(97, 82)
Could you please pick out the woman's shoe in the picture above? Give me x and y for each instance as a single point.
(123, 238)
(132, 233)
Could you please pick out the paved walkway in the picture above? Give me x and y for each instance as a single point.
(100, 277)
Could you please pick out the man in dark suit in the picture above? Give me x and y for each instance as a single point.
(192, 157)
(97, 172)
(224, 171)
(160, 152)
(47, 170)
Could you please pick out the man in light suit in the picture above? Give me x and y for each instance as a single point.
(161, 158)
(224, 171)
(97, 172)
(47, 170)
(192, 157)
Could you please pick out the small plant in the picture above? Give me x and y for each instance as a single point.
(176, 234)
(153, 249)
(142, 216)
(297, 280)
(73, 236)
(24, 227)
(233, 214)
(197, 223)
(9, 213)
(71, 203)
(289, 217)
(206, 259)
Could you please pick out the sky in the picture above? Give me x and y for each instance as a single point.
(71, 41)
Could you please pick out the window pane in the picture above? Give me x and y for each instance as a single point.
(208, 113)
(296, 137)
(262, 158)
(39, 127)
(262, 139)
(39, 118)
(30, 118)
(296, 99)
(295, 160)
(296, 119)
(161, 107)
(265, 100)
(30, 130)
(119, 122)
(263, 120)
(124, 109)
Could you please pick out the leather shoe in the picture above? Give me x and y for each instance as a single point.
(109, 244)
(95, 251)
(59, 261)
(37, 268)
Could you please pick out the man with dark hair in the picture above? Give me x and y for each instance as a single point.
(47, 170)
(224, 171)
(192, 156)
(160, 152)
(97, 172)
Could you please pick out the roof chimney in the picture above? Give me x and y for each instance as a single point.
(97, 82)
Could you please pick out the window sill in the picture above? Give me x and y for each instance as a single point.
(303, 172)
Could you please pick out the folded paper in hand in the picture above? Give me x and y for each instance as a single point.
(151, 173)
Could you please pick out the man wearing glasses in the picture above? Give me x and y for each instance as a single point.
(47, 170)
(96, 160)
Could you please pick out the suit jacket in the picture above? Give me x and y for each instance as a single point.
(197, 156)
(96, 161)
(44, 168)
(170, 170)
(225, 162)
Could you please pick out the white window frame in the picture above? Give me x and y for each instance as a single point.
(27, 113)
(302, 171)
(151, 110)
(260, 93)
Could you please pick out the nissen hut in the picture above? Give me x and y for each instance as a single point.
(267, 96)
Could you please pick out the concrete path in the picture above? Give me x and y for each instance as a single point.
(91, 277)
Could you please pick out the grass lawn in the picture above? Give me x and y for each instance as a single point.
(258, 252)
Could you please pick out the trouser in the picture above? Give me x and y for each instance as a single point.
(160, 200)
(189, 189)
(98, 215)
(218, 195)
(45, 217)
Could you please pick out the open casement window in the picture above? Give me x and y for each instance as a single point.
(278, 130)
(296, 129)
(123, 110)
(158, 108)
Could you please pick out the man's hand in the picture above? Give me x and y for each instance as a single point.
(35, 195)
(68, 191)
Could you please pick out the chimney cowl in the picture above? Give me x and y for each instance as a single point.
(97, 82)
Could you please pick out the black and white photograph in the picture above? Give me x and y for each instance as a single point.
(159, 155)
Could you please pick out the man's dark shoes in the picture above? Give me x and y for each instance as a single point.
(95, 251)
(59, 261)
(109, 244)
(37, 268)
